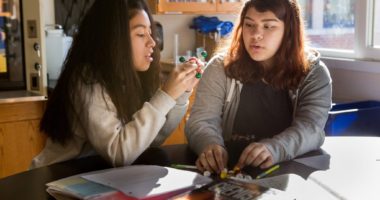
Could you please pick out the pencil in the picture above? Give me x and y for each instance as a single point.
(181, 166)
(270, 170)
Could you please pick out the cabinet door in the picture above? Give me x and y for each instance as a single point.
(20, 136)
(229, 6)
(180, 6)
(19, 142)
(178, 135)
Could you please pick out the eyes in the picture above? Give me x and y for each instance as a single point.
(143, 34)
(265, 26)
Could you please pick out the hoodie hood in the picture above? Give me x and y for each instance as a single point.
(313, 56)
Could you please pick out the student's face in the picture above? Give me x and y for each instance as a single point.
(142, 41)
(262, 35)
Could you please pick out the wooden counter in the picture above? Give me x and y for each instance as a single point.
(19, 96)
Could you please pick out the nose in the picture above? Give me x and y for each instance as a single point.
(151, 42)
(257, 34)
(258, 37)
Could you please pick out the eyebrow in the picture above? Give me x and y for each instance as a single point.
(138, 26)
(264, 20)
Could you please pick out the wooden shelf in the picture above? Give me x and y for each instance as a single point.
(200, 7)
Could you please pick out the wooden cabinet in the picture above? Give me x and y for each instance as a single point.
(195, 7)
(20, 138)
(178, 135)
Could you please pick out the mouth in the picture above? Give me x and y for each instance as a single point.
(255, 47)
(149, 57)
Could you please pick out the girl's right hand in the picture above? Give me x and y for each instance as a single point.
(181, 79)
(213, 159)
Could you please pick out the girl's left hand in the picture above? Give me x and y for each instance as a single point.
(256, 155)
(193, 81)
(199, 65)
(181, 79)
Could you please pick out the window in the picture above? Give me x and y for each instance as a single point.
(343, 28)
(11, 47)
(3, 62)
(334, 27)
(307, 13)
(376, 31)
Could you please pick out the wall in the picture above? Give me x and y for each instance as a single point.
(48, 12)
(179, 24)
(354, 80)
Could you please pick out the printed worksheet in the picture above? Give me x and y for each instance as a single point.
(142, 181)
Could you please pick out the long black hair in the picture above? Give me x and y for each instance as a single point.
(101, 53)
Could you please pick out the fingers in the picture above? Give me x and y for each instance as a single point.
(180, 80)
(196, 61)
(244, 155)
(187, 68)
(203, 163)
(190, 77)
(192, 65)
(267, 163)
(186, 72)
(220, 159)
(212, 159)
(256, 154)
(199, 165)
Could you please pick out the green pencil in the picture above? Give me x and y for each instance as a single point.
(270, 170)
(181, 166)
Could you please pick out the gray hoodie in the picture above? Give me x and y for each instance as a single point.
(217, 100)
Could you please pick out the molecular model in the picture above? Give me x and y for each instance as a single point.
(196, 60)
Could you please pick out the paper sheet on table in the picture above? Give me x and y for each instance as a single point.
(142, 181)
(76, 187)
(320, 162)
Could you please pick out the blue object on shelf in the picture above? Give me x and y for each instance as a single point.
(205, 24)
(354, 119)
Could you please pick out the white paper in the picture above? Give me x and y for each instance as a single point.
(142, 181)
